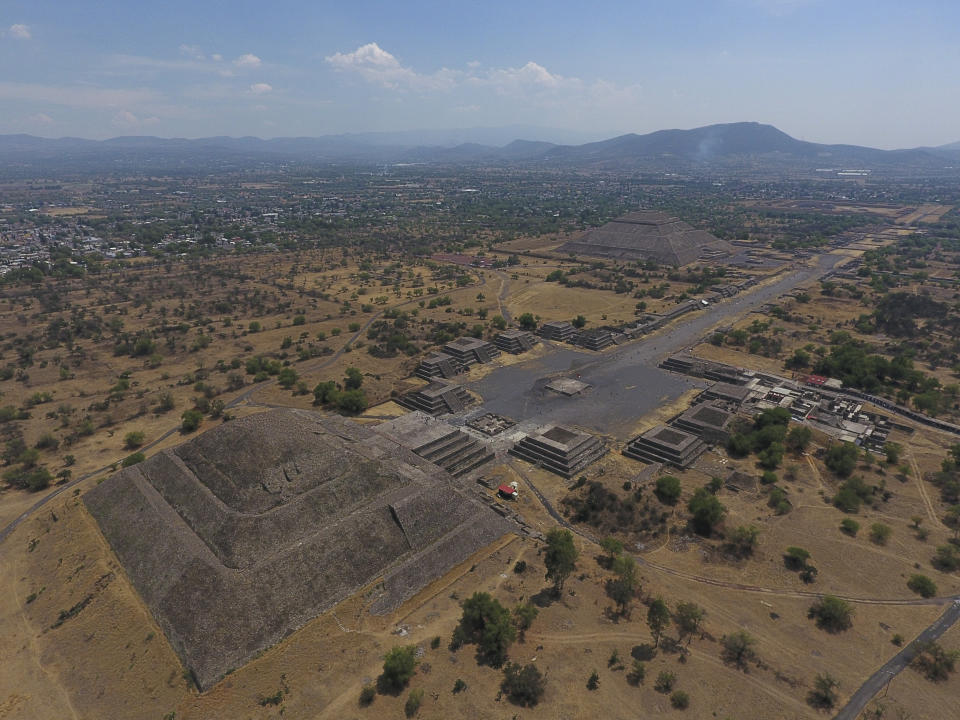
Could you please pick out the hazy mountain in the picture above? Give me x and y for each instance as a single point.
(724, 143)
(746, 146)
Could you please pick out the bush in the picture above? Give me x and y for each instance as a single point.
(849, 526)
(459, 686)
(399, 665)
(414, 699)
(947, 558)
(367, 695)
(880, 533)
(680, 700)
(133, 440)
(824, 694)
(637, 673)
(523, 686)
(593, 682)
(665, 682)
(738, 648)
(832, 614)
(47, 441)
(668, 489)
(922, 585)
(137, 457)
(934, 662)
(190, 420)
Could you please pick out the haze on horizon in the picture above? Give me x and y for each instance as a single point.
(879, 73)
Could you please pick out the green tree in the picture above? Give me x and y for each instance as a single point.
(527, 322)
(742, 540)
(737, 648)
(832, 614)
(560, 557)
(880, 533)
(841, 458)
(624, 587)
(353, 380)
(489, 625)
(190, 420)
(523, 685)
(133, 440)
(688, 617)
(922, 585)
(849, 526)
(823, 696)
(668, 489)
(287, 378)
(523, 616)
(399, 665)
(579, 322)
(658, 619)
(798, 437)
(706, 511)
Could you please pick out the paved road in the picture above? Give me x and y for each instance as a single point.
(625, 383)
(902, 659)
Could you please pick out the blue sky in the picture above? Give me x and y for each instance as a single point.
(878, 73)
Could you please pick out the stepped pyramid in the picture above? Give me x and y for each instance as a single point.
(647, 235)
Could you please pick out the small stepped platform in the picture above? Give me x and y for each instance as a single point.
(560, 449)
(437, 398)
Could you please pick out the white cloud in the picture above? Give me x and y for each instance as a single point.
(376, 65)
(41, 119)
(248, 60)
(127, 120)
(192, 51)
(216, 57)
(20, 31)
(260, 88)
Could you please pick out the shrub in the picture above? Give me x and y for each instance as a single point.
(824, 693)
(665, 682)
(922, 585)
(593, 682)
(680, 700)
(849, 526)
(638, 672)
(367, 695)
(520, 567)
(738, 648)
(459, 686)
(133, 440)
(47, 441)
(880, 533)
(190, 420)
(947, 558)
(934, 662)
(832, 614)
(414, 699)
(137, 457)
(523, 685)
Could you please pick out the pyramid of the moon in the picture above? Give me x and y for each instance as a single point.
(243, 534)
(648, 235)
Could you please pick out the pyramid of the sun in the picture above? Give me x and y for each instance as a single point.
(647, 235)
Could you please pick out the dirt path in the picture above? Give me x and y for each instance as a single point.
(935, 521)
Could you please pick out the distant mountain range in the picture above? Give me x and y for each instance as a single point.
(745, 145)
